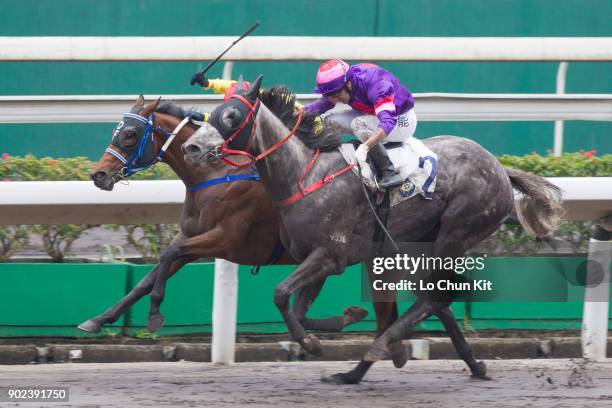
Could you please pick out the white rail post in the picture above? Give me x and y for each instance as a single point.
(597, 296)
(225, 306)
(227, 70)
(558, 142)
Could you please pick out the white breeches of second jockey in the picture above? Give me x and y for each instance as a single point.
(363, 125)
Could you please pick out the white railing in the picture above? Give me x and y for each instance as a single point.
(269, 48)
(429, 106)
(80, 202)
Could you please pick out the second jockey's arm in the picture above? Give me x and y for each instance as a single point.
(219, 86)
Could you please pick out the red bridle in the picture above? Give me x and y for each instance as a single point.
(253, 159)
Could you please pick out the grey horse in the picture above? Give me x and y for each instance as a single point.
(332, 227)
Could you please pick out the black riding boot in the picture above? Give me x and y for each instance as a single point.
(390, 176)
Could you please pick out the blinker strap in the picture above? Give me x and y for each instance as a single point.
(118, 155)
(136, 117)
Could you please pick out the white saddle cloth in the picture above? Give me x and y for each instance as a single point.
(414, 161)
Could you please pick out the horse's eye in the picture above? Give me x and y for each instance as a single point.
(128, 137)
(229, 117)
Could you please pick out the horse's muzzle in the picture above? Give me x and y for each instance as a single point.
(102, 180)
(194, 154)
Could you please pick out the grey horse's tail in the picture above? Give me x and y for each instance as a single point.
(539, 210)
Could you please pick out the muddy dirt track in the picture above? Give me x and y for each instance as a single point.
(440, 383)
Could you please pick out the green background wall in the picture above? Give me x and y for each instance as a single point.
(52, 299)
(326, 18)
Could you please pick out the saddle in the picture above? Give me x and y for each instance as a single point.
(412, 159)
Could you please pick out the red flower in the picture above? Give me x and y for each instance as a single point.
(589, 154)
(6, 179)
(5, 155)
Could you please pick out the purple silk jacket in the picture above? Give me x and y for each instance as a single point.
(375, 91)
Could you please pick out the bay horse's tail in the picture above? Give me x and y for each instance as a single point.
(539, 210)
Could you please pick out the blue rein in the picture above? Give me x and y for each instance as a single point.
(225, 179)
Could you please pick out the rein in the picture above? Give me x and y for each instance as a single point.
(304, 191)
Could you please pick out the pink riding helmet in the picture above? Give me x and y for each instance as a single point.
(331, 76)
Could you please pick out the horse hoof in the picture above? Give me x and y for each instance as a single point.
(354, 314)
(398, 354)
(340, 379)
(155, 322)
(90, 326)
(480, 371)
(311, 344)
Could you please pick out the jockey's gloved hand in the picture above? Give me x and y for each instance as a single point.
(199, 79)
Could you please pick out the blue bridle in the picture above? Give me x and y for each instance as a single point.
(130, 164)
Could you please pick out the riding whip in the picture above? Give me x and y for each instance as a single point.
(249, 31)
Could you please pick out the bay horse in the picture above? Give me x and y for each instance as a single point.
(328, 228)
(227, 214)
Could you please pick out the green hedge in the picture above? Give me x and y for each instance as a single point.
(579, 164)
(150, 240)
(29, 168)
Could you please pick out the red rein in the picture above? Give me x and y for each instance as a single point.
(303, 191)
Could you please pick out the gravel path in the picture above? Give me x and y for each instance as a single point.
(439, 383)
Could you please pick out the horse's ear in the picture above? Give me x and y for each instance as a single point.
(150, 108)
(240, 83)
(138, 105)
(253, 92)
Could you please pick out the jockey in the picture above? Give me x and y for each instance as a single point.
(382, 110)
(228, 88)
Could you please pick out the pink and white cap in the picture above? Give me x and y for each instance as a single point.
(331, 76)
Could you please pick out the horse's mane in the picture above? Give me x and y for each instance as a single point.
(281, 101)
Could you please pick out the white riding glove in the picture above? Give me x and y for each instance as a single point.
(361, 154)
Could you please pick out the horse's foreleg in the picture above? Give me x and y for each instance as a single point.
(210, 244)
(304, 297)
(313, 271)
(143, 287)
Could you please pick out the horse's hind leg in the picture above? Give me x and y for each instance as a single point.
(418, 312)
(462, 227)
(304, 297)
(478, 368)
(390, 312)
